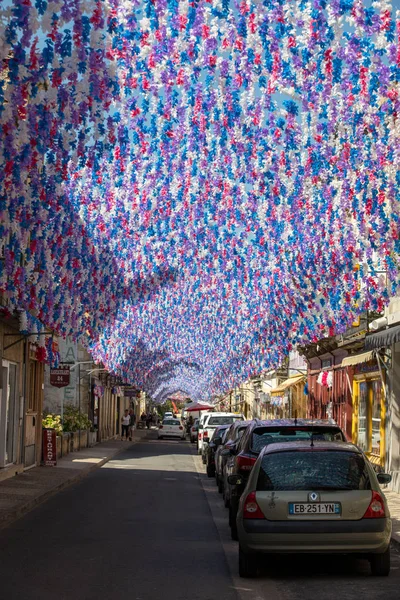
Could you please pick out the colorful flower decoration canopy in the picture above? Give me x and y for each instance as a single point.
(191, 189)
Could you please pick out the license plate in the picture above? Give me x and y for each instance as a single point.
(314, 508)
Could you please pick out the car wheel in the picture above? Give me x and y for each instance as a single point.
(160, 437)
(203, 459)
(210, 471)
(192, 440)
(220, 485)
(234, 532)
(380, 563)
(248, 564)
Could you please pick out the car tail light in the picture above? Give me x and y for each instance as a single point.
(199, 435)
(245, 463)
(205, 434)
(376, 508)
(251, 510)
(161, 426)
(180, 427)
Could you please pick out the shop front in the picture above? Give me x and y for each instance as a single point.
(288, 400)
(369, 411)
(329, 396)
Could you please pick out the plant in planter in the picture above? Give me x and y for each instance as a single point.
(74, 420)
(52, 421)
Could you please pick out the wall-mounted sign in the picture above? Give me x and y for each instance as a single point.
(49, 447)
(131, 393)
(60, 377)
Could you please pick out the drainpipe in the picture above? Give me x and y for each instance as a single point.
(24, 392)
(79, 402)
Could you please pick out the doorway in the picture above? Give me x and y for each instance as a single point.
(8, 415)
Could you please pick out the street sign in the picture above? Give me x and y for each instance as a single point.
(49, 447)
(60, 377)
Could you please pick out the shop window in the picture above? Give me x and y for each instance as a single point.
(326, 363)
(376, 415)
(34, 391)
(362, 440)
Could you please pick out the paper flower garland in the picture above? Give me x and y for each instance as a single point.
(193, 188)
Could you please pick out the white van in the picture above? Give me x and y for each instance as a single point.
(209, 421)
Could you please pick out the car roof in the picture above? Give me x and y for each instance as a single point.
(295, 422)
(222, 414)
(239, 423)
(306, 445)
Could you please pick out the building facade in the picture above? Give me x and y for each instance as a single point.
(21, 397)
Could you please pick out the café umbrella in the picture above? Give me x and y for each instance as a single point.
(199, 407)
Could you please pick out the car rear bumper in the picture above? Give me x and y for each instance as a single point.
(360, 537)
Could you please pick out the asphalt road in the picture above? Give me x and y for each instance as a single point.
(150, 525)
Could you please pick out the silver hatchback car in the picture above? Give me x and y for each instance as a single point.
(318, 497)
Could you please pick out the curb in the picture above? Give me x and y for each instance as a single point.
(21, 511)
(395, 541)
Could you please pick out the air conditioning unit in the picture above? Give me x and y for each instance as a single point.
(378, 324)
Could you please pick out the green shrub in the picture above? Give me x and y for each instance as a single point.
(51, 421)
(74, 420)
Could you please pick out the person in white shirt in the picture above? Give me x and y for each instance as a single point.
(126, 425)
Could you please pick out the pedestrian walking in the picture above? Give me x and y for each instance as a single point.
(126, 425)
(149, 419)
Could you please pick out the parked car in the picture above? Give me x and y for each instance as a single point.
(261, 433)
(168, 415)
(213, 445)
(194, 430)
(228, 448)
(210, 421)
(171, 428)
(313, 497)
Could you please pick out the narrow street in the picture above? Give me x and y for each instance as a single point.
(150, 524)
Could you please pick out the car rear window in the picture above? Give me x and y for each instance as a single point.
(315, 470)
(171, 422)
(262, 436)
(222, 420)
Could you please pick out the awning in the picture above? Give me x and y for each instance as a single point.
(384, 338)
(199, 407)
(278, 391)
(357, 359)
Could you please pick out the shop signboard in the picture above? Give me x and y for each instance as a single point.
(131, 393)
(60, 377)
(49, 447)
(367, 367)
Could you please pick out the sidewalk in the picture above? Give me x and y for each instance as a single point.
(20, 494)
(394, 506)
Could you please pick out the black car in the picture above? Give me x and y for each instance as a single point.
(259, 434)
(227, 448)
(212, 446)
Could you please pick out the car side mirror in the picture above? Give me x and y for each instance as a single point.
(234, 480)
(206, 439)
(384, 478)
